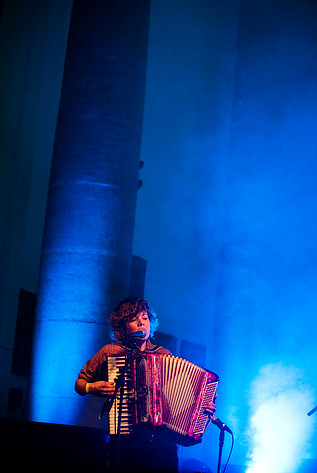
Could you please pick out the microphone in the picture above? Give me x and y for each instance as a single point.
(222, 426)
(139, 334)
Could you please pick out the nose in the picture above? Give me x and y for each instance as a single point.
(141, 322)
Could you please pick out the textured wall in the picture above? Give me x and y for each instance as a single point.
(87, 246)
(267, 298)
(229, 195)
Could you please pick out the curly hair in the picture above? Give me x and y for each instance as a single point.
(125, 312)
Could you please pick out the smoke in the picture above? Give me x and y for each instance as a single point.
(279, 428)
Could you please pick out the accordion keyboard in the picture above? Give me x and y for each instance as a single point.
(115, 364)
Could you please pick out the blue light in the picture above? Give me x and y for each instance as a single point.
(61, 350)
(280, 430)
(87, 242)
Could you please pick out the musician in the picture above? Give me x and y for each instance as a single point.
(147, 448)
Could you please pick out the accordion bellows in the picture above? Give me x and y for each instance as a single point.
(163, 390)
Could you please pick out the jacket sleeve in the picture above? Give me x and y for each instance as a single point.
(96, 368)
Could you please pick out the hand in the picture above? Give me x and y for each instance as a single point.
(101, 388)
(210, 407)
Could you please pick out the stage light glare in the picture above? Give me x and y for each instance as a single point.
(279, 429)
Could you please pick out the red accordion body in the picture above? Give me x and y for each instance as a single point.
(163, 390)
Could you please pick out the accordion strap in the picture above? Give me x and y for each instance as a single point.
(153, 349)
(149, 349)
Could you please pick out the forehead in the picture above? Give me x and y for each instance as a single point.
(142, 313)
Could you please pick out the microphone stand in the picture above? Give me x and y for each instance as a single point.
(109, 402)
(119, 427)
(221, 442)
(119, 383)
(312, 411)
(223, 427)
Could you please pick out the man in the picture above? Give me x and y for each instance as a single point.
(147, 448)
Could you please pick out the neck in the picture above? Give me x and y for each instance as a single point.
(141, 344)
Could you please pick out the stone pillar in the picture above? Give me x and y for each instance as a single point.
(87, 245)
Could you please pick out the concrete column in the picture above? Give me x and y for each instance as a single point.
(87, 246)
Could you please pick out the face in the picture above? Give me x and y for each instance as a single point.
(141, 321)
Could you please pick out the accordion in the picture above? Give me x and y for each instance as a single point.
(163, 390)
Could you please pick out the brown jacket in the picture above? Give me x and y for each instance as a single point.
(96, 368)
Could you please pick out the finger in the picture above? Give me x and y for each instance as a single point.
(109, 389)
